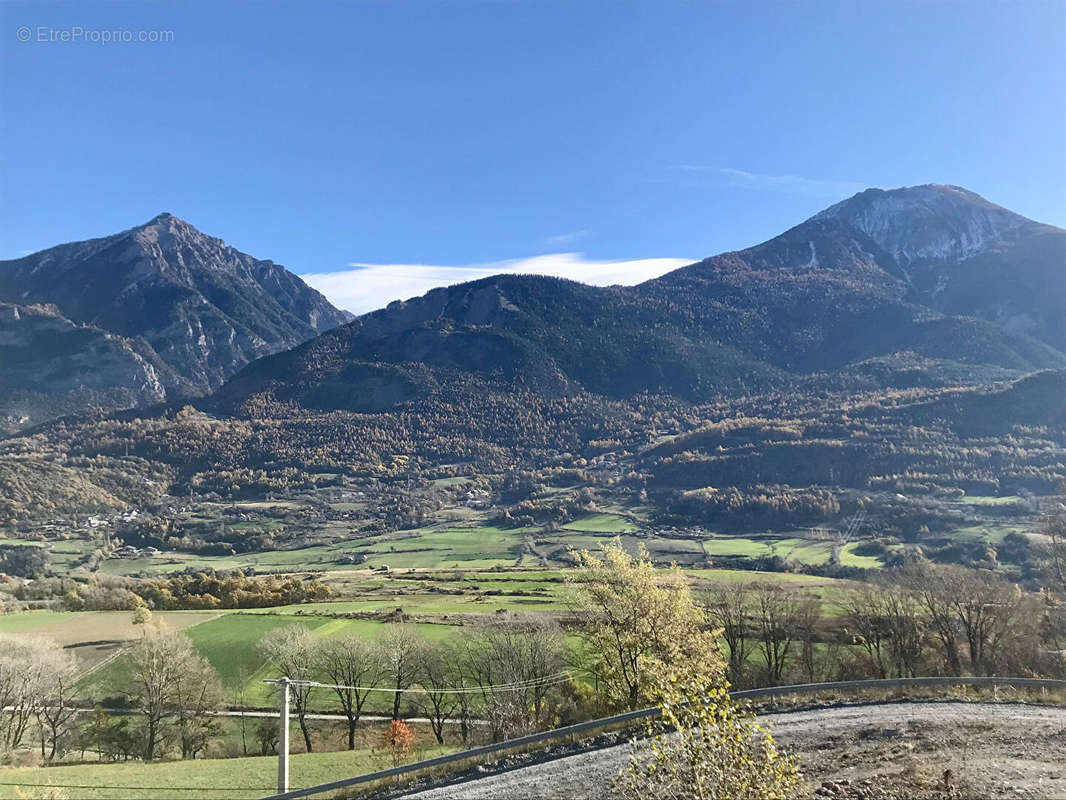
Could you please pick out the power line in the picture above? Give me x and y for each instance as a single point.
(531, 683)
(285, 684)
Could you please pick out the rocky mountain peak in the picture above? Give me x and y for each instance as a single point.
(928, 222)
(204, 309)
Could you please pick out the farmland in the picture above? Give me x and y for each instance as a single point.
(472, 550)
(238, 778)
(434, 600)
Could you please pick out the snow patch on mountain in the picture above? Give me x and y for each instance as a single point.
(926, 223)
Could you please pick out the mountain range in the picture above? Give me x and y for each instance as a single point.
(153, 313)
(930, 284)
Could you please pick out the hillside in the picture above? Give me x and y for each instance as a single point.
(738, 411)
(53, 366)
(839, 290)
(191, 308)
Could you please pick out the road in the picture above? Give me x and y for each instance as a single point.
(902, 749)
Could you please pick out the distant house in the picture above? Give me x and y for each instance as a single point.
(478, 498)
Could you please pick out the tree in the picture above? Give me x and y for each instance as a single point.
(401, 652)
(23, 560)
(142, 615)
(729, 606)
(111, 739)
(266, 734)
(923, 580)
(293, 651)
(354, 666)
(398, 739)
(165, 673)
(56, 711)
(34, 671)
(705, 748)
(438, 699)
(638, 622)
(197, 693)
(777, 614)
(516, 664)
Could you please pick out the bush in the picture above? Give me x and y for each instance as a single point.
(705, 747)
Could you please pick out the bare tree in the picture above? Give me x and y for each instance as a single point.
(164, 665)
(238, 699)
(729, 606)
(865, 619)
(401, 650)
(461, 656)
(1055, 528)
(23, 677)
(354, 666)
(197, 695)
(906, 630)
(976, 606)
(292, 650)
(987, 607)
(36, 682)
(776, 612)
(808, 614)
(923, 580)
(437, 677)
(56, 711)
(516, 664)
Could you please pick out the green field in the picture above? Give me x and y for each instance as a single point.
(479, 547)
(991, 533)
(203, 779)
(601, 523)
(438, 600)
(230, 642)
(985, 500)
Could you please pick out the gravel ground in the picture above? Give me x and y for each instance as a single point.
(874, 752)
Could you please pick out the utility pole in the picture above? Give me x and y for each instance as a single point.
(283, 735)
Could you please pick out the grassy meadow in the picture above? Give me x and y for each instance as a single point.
(202, 779)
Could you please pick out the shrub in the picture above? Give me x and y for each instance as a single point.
(704, 747)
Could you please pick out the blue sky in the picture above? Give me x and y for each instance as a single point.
(447, 139)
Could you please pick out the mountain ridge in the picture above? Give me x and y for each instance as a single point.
(822, 297)
(199, 306)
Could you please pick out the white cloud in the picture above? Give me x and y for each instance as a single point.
(567, 238)
(366, 287)
(789, 184)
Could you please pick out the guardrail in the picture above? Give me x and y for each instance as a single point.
(631, 716)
